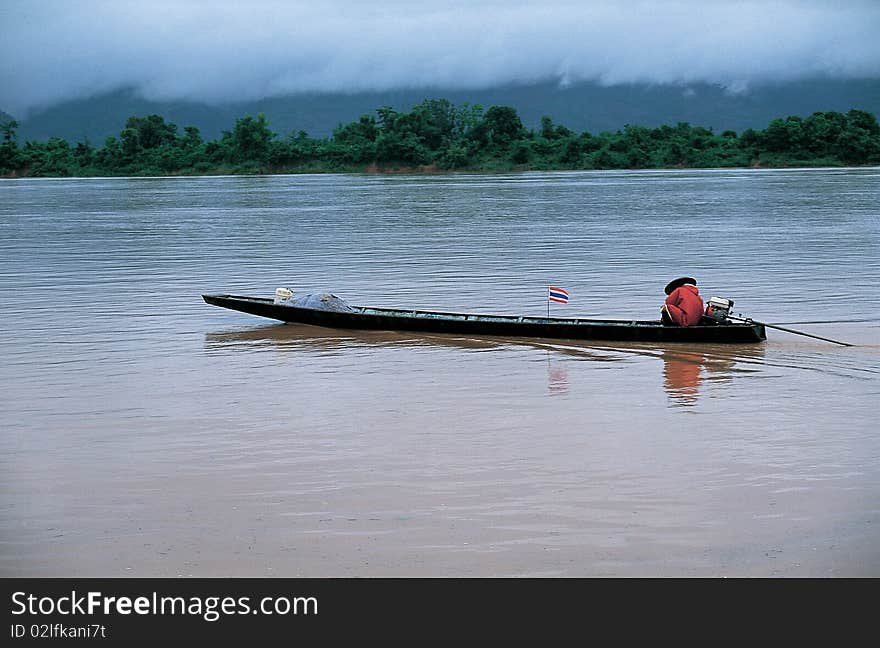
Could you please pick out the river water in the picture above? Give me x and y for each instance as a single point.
(145, 433)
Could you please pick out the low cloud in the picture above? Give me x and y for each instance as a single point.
(230, 51)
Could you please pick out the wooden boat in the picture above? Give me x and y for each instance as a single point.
(389, 319)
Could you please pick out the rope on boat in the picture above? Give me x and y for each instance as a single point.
(749, 320)
(840, 321)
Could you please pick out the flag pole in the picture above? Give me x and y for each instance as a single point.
(548, 302)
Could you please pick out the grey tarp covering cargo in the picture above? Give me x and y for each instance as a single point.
(323, 301)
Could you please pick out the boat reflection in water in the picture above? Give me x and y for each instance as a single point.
(682, 373)
(685, 367)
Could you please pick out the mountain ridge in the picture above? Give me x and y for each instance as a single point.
(580, 107)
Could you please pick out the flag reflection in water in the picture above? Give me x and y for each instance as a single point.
(557, 378)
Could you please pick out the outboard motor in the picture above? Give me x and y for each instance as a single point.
(718, 308)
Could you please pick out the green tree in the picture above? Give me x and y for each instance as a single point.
(522, 152)
(859, 143)
(750, 143)
(397, 146)
(109, 158)
(84, 154)
(822, 130)
(8, 129)
(433, 122)
(250, 139)
(551, 131)
(151, 131)
(466, 118)
(399, 138)
(864, 120)
(502, 125)
(606, 158)
(53, 158)
(192, 137)
(455, 156)
(573, 151)
(131, 147)
(357, 133)
(9, 158)
(357, 140)
(784, 135)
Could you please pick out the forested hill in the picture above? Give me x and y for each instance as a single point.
(581, 107)
(439, 135)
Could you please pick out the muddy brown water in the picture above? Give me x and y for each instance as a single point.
(145, 433)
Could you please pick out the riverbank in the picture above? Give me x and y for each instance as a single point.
(429, 169)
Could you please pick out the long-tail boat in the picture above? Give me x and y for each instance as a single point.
(395, 319)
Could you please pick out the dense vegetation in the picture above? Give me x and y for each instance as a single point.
(438, 135)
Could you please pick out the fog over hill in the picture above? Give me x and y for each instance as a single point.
(79, 69)
(583, 106)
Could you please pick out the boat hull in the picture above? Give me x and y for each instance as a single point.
(493, 325)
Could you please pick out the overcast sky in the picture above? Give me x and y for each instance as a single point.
(222, 51)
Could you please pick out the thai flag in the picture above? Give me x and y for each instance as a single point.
(558, 295)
